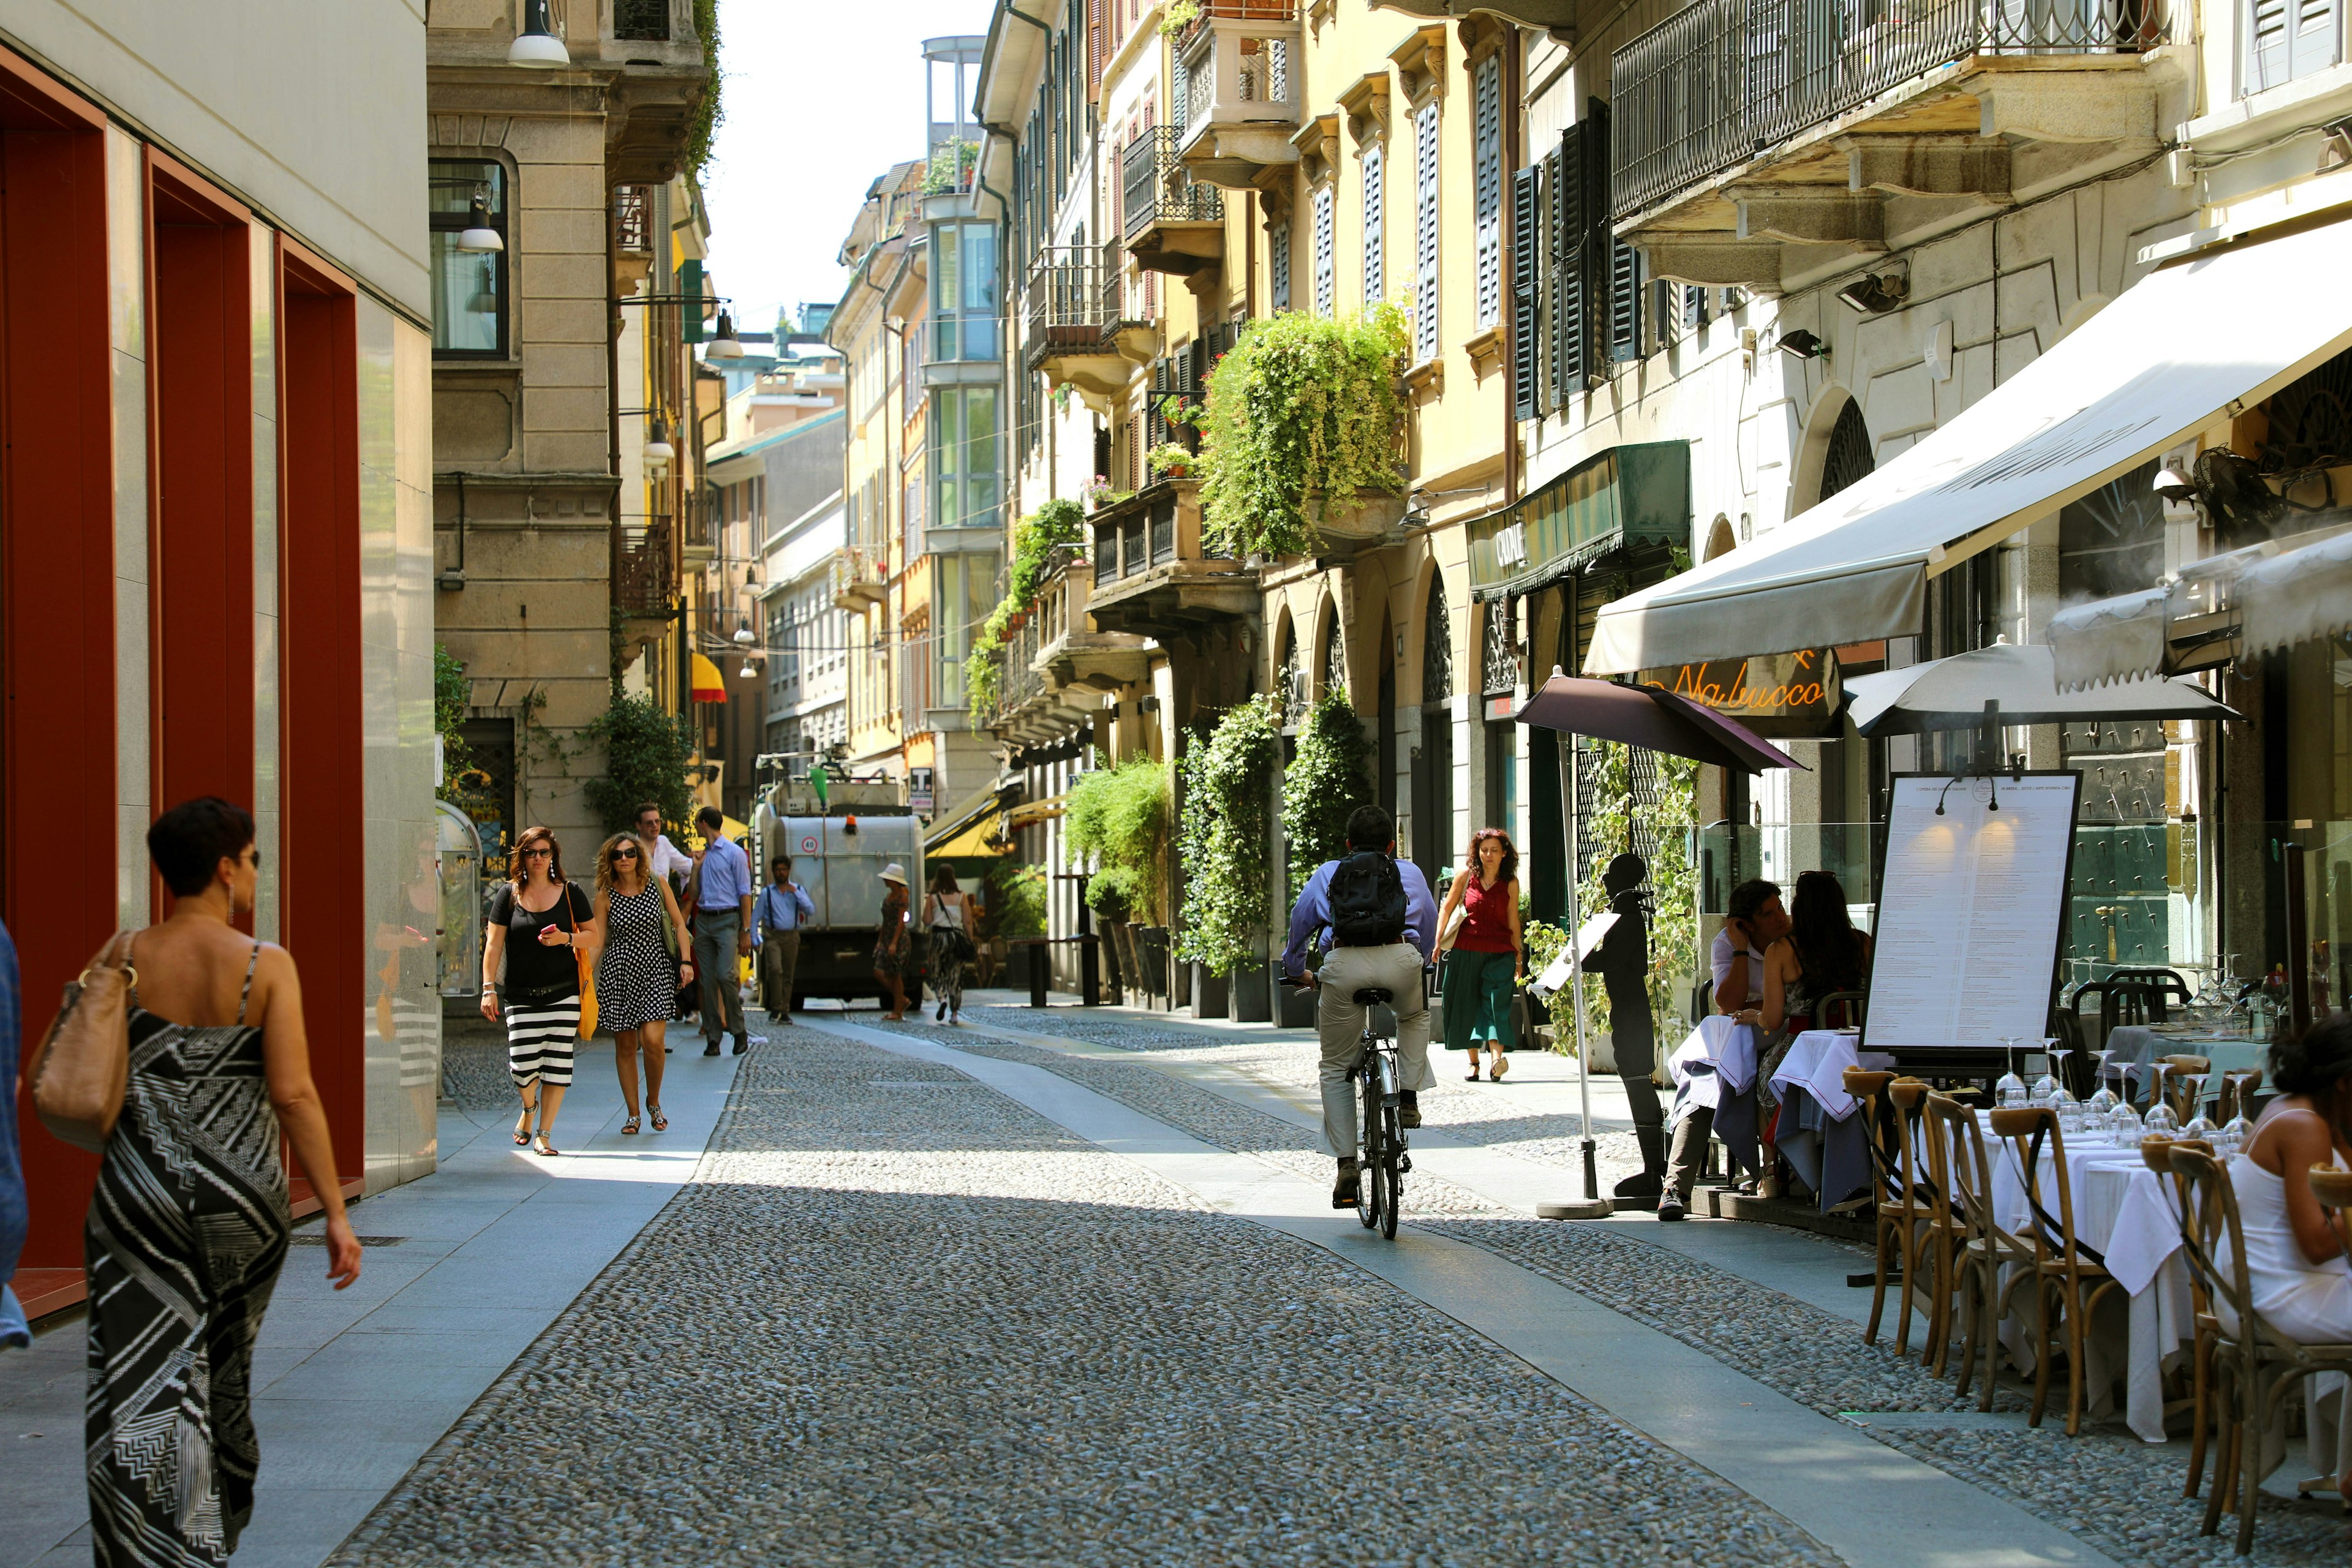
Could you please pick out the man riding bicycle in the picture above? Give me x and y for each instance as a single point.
(1374, 916)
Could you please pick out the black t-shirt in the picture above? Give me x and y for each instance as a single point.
(535, 972)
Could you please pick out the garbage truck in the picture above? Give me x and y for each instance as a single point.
(839, 837)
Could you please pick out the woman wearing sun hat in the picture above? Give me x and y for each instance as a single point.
(891, 948)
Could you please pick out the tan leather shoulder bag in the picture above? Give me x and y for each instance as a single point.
(84, 1064)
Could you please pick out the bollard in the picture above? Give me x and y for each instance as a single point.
(1089, 971)
(1038, 968)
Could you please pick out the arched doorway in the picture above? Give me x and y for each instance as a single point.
(1848, 455)
(1433, 791)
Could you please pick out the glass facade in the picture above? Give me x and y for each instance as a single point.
(965, 462)
(964, 309)
(963, 591)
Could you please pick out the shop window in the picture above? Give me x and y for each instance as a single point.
(1335, 659)
(469, 286)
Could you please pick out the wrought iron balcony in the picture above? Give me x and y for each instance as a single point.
(1080, 329)
(1151, 576)
(1239, 87)
(1778, 122)
(1173, 224)
(644, 580)
(1065, 662)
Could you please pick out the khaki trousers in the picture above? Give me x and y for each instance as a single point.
(780, 953)
(1340, 1026)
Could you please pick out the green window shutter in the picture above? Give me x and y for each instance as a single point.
(1526, 240)
(689, 289)
(1625, 302)
(1571, 282)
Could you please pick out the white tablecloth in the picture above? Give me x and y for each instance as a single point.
(1816, 1062)
(1728, 1047)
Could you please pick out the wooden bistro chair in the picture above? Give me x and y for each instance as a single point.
(2255, 1366)
(1944, 1231)
(1986, 1248)
(2157, 1154)
(2074, 1275)
(1902, 1208)
(2237, 1094)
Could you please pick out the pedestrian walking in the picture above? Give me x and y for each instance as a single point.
(1488, 955)
(948, 913)
(188, 1226)
(784, 905)
(664, 862)
(643, 960)
(539, 925)
(893, 946)
(722, 931)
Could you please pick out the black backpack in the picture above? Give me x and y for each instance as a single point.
(1367, 900)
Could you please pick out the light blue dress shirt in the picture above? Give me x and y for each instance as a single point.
(782, 908)
(726, 876)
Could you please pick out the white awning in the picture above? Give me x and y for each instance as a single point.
(2224, 326)
(2248, 601)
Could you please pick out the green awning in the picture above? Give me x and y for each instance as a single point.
(1635, 494)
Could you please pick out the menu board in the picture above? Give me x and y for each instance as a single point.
(1969, 907)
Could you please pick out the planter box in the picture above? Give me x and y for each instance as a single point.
(1370, 518)
(1296, 1006)
(1151, 946)
(1252, 1004)
(1212, 994)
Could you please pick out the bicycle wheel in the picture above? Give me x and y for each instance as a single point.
(1369, 1156)
(1391, 1180)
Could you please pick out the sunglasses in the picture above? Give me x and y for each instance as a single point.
(624, 854)
(542, 852)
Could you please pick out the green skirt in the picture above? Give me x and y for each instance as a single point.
(1477, 989)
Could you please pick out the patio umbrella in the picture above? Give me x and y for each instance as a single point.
(2023, 679)
(1647, 716)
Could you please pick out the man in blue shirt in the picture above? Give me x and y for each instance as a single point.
(784, 905)
(722, 931)
(1394, 966)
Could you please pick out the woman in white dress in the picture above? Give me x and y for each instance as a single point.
(2296, 1268)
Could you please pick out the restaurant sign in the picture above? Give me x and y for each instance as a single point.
(1783, 694)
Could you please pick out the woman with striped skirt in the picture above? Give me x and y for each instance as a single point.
(539, 926)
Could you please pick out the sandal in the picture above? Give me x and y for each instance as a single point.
(629, 1128)
(1495, 1073)
(522, 1128)
(541, 1146)
(1473, 1069)
(661, 1122)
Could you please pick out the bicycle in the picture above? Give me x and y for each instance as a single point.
(1383, 1154)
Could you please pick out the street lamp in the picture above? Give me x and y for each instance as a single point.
(477, 236)
(537, 46)
(745, 636)
(725, 345)
(657, 447)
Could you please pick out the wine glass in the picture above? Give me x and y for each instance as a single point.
(2011, 1089)
(2198, 1124)
(2125, 1124)
(2058, 1055)
(2102, 1103)
(2159, 1117)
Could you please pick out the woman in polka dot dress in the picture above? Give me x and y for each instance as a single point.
(639, 977)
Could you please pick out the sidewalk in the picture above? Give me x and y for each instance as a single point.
(463, 1271)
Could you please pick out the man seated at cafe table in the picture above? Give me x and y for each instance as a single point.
(1756, 921)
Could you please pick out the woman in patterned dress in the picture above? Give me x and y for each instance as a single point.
(529, 962)
(188, 1226)
(893, 947)
(638, 978)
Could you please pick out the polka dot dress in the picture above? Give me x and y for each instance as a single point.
(636, 981)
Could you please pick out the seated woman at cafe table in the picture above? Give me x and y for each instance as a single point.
(1821, 954)
(2295, 1264)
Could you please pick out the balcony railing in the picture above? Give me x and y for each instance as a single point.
(1137, 537)
(1075, 299)
(1714, 85)
(632, 217)
(698, 532)
(1239, 62)
(641, 573)
(1158, 190)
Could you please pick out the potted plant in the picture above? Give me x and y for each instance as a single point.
(1098, 495)
(1168, 460)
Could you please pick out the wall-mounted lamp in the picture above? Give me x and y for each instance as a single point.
(1876, 293)
(478, 235)
(657, 447)
(537, 46)
(1802, 345)
(750, 671)
(745, 636)
(2173, 485)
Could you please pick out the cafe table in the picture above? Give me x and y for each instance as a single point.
(2137, 1046)
(1829, 1150)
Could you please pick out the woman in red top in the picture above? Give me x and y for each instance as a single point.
(1489, 955)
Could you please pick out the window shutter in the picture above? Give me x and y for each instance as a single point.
(1277, 265)
(1425, 235)
(1572, 331)
(1695, 307)
(1624, 301)
(2314, 46)
(1375, 203)
(1487, 129)
(1323, 241)
(1527, 238)
(2265, 62)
